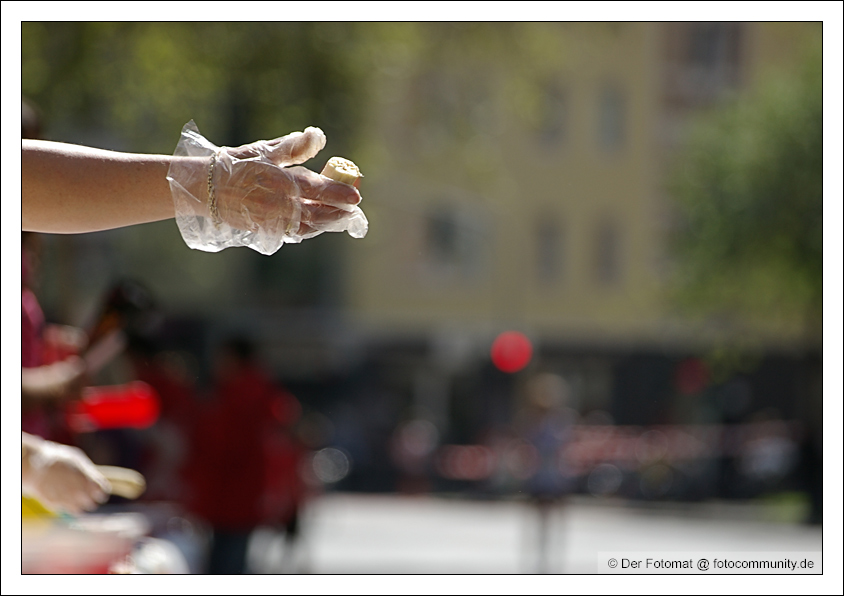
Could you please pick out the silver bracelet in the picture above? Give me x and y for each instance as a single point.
(212, 193)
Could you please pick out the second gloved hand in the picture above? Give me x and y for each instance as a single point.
(61, 477)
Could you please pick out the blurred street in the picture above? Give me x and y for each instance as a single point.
(349, 534)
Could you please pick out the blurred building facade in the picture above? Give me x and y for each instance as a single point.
(524, 187)
(534, 191)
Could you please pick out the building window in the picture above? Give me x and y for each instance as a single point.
(448, 106)
(549, 251)
(702, 62)
(713, 45)
(442, 239)
(553, 117)
(611, 118)
(455, 243)
(608, 253)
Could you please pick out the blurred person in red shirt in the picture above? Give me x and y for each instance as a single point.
(165, 444)
(230, 457)
(286, 490)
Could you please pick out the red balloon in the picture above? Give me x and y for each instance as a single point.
(511, 351)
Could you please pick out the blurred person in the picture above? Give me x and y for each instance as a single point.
(412, 447)
(126, 317)
(768, 453)
(285, 490)
(129, 311)
(165, 444)
(227, 466)
(547, 427)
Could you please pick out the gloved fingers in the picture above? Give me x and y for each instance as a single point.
(61, 503)
(327, 206)
(315, 187)
(91, 494)
(305, 231)
(296, 147)
(318, 214)
(318, 218)
(88, 493)
(94, 495)
(273, 186)
(291, 149)
(302, 220)
(69, 481)
(86, 486)
(73, 494)
(98, 487)
(256, 196)
(71, 502)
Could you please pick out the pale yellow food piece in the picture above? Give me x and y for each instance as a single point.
(342, 170)
(125, 483)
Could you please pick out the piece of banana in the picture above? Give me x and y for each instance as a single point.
(125, 483)
(342, 170)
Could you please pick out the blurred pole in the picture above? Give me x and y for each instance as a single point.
(547, 530)
(544, 536)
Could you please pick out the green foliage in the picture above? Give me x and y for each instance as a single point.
(750, 190)
(138, 83)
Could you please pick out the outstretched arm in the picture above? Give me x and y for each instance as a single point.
(221, 196)
(71, 189)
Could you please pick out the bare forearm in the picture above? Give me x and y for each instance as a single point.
(72, 189)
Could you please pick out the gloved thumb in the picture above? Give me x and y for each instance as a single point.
(295, 148)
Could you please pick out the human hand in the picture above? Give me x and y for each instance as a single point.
(256, 195)
(63, 380)
(256, 188)
(61, 477)
(61, 341)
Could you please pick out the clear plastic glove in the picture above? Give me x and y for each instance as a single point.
(260, 200)
(60, 477)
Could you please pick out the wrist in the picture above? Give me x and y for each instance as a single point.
(211, 180)
(193, 182)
